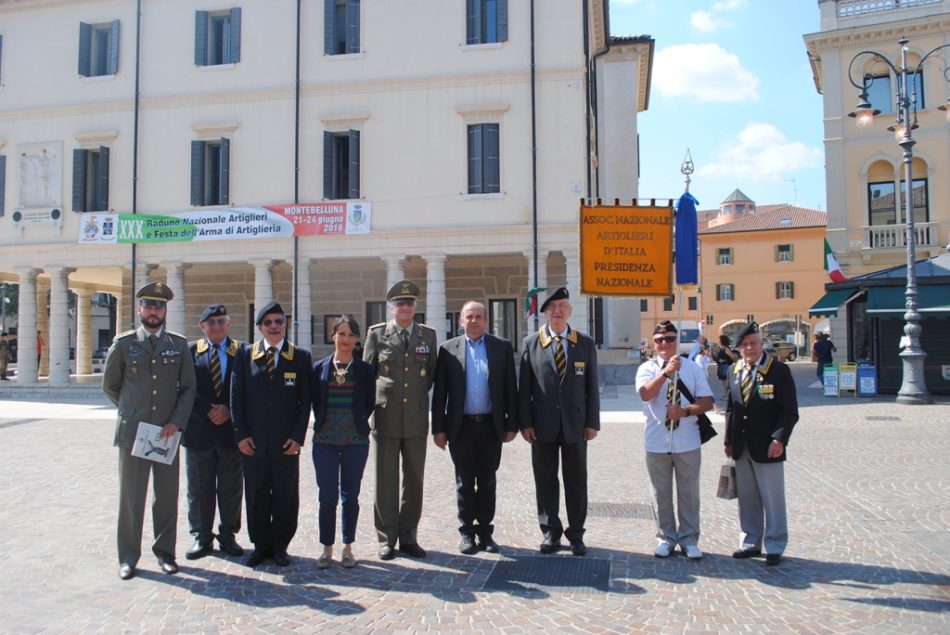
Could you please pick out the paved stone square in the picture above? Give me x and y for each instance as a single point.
(869, 552)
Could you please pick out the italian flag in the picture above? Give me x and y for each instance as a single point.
(832, 266)
(531, 302)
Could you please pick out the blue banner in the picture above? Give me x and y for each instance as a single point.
(686, 240)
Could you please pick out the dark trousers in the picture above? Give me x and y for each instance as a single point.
(544, 461)
(339, 470)
(216, 474)
(272, 492)
(476, 453)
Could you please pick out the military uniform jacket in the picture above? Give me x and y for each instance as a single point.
(403, 378)
(771, 413)
(548, 403)
(156, 385)
(270, 410)
(201, 433)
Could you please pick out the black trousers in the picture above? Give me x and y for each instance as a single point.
(215, 475)
(272, 492)
(476, 453)
(544, 461)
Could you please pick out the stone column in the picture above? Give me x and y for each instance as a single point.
(42, 325)
(578, 302)
(26, 367)
(175, 279)
(263, 282)
(303, 334)
(59, 326)
(529, 326)
(395, 270)
(435, 294)
(83, 332)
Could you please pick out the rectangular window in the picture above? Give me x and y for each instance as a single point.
(486, 21)
(668, 303)
(91, 180)
(880, 95)
(483, 159)
(375, 313)
(341, 27)
(784, 290)
(217, 37)
(644, 305)
(882, 204)
(503, 319)
(918, 200)
(210, 172)
(917, 88)
(691, 303)
(341, 164)
(725, 292)
(452, 324)
(98, 49)
(724, 255)
(784, 253)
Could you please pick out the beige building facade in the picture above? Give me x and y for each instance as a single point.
(421, 112)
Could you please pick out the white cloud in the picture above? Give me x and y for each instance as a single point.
(706, 22)
(760, 152)
(729, 5)
(704, 71)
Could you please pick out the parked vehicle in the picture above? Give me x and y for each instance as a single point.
(782, 350)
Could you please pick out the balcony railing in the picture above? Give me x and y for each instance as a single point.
(893, 236)
(851, 8)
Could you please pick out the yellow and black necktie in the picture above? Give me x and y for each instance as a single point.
(560, 362)
(747, 382)
(271, 362)
(671, 398)
(215, 362)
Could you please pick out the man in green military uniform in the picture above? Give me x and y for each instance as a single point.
(150, 376)
(404, 355)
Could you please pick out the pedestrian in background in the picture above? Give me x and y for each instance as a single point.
(821, 352)
(344, 396)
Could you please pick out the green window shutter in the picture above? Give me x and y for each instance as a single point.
(79, 180)
(112, 66)
(473, 22)
(791, 253)
(224, 175)
(329, 11)
(778, 290)
(328, 165)
(102, 186)
(352, 26)
(501, 8)
(778, 252)
(197, 172)
(719, 292)
(235, 43)
(732, 258)
(732, 292)
(85, 49)
(201, 39)
(354, 167)
(791, 290)
(3, 183)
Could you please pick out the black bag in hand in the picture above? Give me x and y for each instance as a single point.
(706, 429)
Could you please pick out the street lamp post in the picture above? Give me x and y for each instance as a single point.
(913, 388)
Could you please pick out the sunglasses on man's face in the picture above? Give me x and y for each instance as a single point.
(276, 321)
(669, 339)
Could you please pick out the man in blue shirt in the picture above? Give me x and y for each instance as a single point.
(473, 411)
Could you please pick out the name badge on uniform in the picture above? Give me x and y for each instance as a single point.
(171, 357)
(290, 379)
(135, 349)
(579, 368)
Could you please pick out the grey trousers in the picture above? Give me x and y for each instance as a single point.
(684, 467)
(762, 516)
(133, 490)
(397, 513)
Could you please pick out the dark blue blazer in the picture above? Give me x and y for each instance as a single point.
(271, 410)
(201, 434)
(364, 393)
(771, 413)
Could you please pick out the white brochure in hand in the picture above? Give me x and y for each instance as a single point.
(150, 445)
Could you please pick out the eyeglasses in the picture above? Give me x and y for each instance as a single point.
(669, 339)
(275, 321)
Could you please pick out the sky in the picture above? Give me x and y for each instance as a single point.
(732, 84)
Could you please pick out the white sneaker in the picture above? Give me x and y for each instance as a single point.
(662, 550)
(693, 552)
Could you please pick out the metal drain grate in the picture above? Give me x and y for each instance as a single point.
(641, 511)
(565, 573)
(882, 418)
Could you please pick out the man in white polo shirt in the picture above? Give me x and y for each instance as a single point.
(671, 440)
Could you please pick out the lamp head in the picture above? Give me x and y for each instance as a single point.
(864, 112)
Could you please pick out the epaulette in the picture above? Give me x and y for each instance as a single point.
(426, 326)
(378, 326)
(179, 335)
(123, 334)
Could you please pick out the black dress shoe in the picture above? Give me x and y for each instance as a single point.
(126, 572)
(167, 565)
(257, 557)
(489, 545)
(413, 550)
(746, 553)
(773, 558)
(281, 559)
(467, 545)
(230, 546)
(578, 548)
(550, 545)
(386, 552)
(198, 550)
